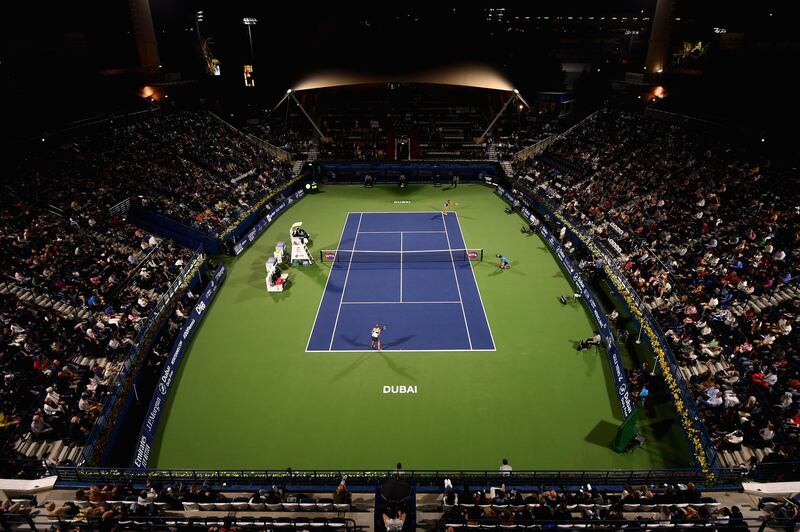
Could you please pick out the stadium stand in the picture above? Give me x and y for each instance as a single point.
(220, 172)
(73, 301)
(708, 238)
(168, 506)
(401, 122)
(82, 284)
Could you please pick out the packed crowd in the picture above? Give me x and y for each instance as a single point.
(709, 240)
(125, 506)
(516, 130)
(80, 282)
(506, 506)
(122, 505)
(190, 165)
(75, 297)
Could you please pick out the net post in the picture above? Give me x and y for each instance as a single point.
(481, 254)
(321, 256)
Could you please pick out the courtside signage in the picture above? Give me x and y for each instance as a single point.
(614, 357)
(150, 426)
(262, 225)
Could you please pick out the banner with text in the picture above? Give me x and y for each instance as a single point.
(262, 225)
(150, 425)
(614, 357)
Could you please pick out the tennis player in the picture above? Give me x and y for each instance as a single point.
(376, 337)
(447, 205)
(504, 263)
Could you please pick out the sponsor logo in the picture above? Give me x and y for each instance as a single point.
(472, 255)
(178, 351)
(187, 329)
(201, 306)
(142, 453)
(153, 415)
(166, 376)
(402, 201)
(400, 389)
(330, 255)
(162, 388)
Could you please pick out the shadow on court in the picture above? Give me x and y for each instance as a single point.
(602, 434)
(398, 343)
(353, 342)
(316, 273)
(351, 367)
(397, 369)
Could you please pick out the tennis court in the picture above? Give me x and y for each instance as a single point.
(409, 271)
(249, 395)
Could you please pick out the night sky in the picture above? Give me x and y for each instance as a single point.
(52, 54)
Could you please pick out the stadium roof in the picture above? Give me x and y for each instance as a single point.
(477, 76)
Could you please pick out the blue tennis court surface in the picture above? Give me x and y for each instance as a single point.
(409, 271)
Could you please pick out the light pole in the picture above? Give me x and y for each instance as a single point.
(249, 21)
(197, 20)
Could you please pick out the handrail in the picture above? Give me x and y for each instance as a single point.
(278, 153)
(535, 149)
(102, 422)
(121, 286)
(170, 521)
(690, 417)
(432, 478)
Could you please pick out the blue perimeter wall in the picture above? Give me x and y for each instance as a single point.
(614, 356)
(150, 425)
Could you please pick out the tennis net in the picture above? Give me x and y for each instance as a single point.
(426, 255)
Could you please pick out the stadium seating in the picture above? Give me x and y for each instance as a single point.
(191, 166)
(708, 238)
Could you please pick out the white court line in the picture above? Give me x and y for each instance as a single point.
(401, 266)
(393, 232)
(395, 350)
(350, 263)
(401, 302)
(478, 288)
(396, 212)
(325, 290)
(458, 286)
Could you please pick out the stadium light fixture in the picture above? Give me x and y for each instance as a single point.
(197, 20)
(288, 91)
(249, 22)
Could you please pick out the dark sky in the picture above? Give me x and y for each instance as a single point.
(51, 53)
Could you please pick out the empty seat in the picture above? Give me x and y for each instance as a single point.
(308, 505)
(238, 506)
(290, 506)
(256, 506)
(190, 506)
